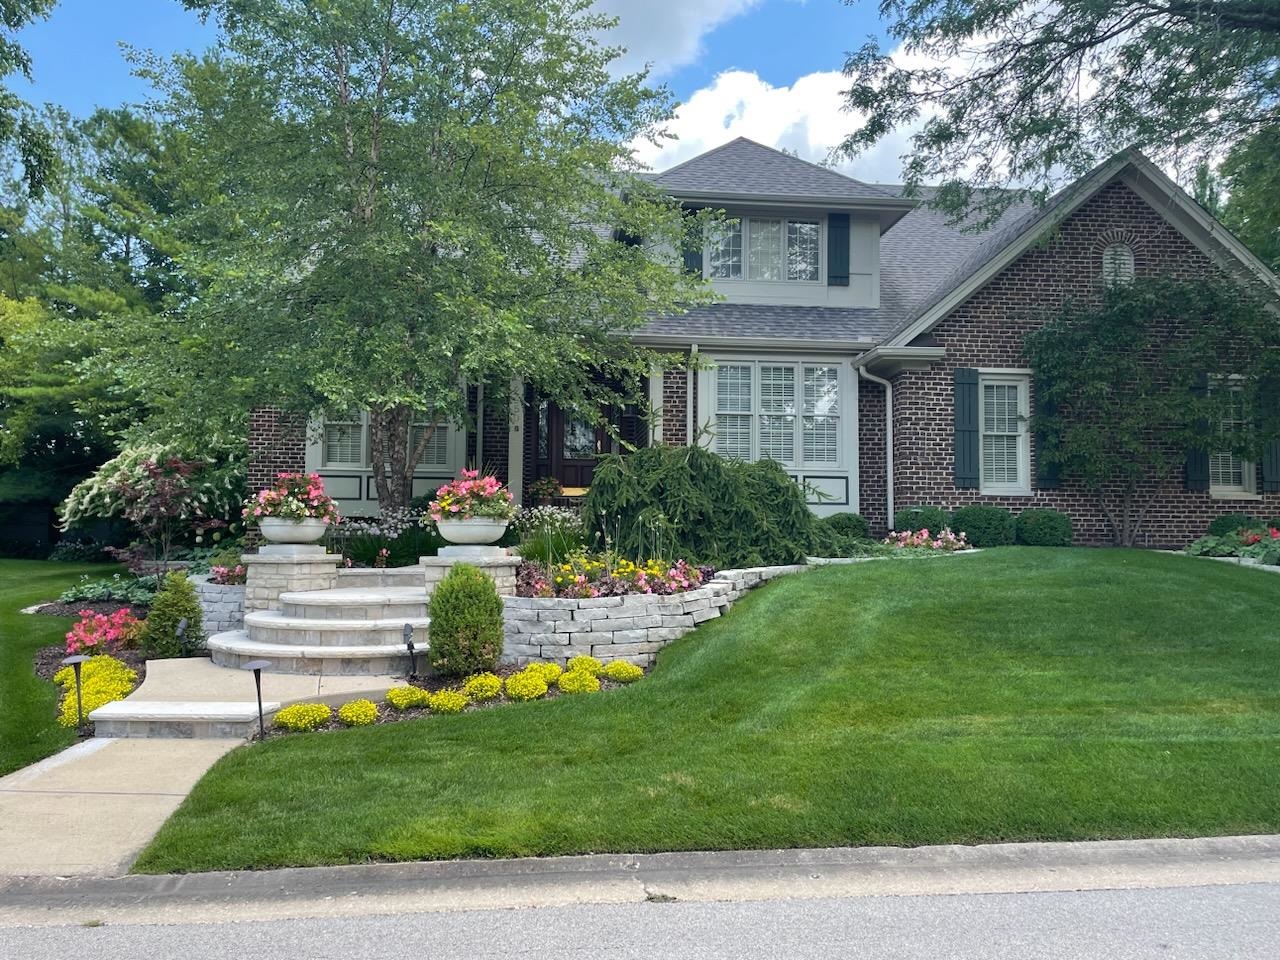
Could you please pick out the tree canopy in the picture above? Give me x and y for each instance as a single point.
(1026, 94)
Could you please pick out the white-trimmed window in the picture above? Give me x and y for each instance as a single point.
(344, 442)
(777, 250)
(784, 411)
(1117, 263)
(436, 453)
(1004, 441)
(1229, 474)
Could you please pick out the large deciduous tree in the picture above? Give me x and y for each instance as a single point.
(416, 195)
(1029, 94)
(24, 141)
(1130, 385)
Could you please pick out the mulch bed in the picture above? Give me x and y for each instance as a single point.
(60, 608)
(48, 661)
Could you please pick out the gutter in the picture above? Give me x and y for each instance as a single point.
(753, 343)
(689, 399)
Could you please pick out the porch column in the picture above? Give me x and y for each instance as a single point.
(515, 440)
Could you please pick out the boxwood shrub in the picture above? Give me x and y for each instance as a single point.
(1231, 522)
(1043, 528)
(466, 623)
(851, 526)
(921, 518)
(984, 526)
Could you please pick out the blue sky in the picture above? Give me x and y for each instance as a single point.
(767, 69)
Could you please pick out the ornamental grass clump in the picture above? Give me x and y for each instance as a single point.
(466, 623)
(525, 685)
(103, 679)
(578, 681)
(175, 601)
(586, 664)
(482, 686)
(406, 698)
(620, 671)
(358, 713)
(303, 717)
(447, 701)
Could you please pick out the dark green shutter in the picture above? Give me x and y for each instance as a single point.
(966, 444)
(1048, 475)
(1197, 465)
(837, 249)
(1269, 419)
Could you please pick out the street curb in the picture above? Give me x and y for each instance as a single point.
(663, 877)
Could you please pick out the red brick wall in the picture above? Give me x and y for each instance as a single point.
(987, 331)
(872, 488)
(277, 444)
(675, 407)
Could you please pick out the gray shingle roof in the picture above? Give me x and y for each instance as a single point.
(758, 321)
(743, 167)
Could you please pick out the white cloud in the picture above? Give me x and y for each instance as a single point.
(806, 117)
(666, 33)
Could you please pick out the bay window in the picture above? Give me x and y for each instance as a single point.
(777, 249)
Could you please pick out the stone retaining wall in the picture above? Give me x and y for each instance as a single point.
(632, 628)
(286, 568)
(221, 604)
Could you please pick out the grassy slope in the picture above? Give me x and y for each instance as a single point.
(28, 730)
(1015, 694)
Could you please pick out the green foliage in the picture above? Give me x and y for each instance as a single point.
(1043, 528)
(852, 526)
(121, 589)
(1050, 89)
(1121, 380)
(1252, 178)
(466, 623)
(688, 502)
(983, 525)
(1224, 545)
(174, 601)
(932, 519)
(1232, 523)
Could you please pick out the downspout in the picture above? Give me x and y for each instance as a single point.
(690, 400)
(888, 438)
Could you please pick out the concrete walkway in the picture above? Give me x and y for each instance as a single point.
(92, 808)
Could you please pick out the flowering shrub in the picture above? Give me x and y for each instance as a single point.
(544, 488)
(1251, 537)
(472, 495)
(943, 540)
(619, 671)
(578, 681)
(585, 663)
(358, 713)
(482, 686)
(296, 496)
(447, 701)
(228, 576)
(605, 575)
(103, 679)
(549, 672)
(402, 698)
(303, 716)
(525, 685)
(96, 632)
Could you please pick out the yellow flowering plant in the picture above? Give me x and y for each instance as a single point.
(447, 701)
(302, 717)
(404, 698)
(358, 713)
(103, 679)
(578, 681)
(525, 685)
(619, 671)
(482, 686)
(585, 663)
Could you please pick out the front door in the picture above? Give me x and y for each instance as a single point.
(568, 446)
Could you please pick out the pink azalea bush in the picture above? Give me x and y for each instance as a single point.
(943, 540)
(103, 632)
(472, 495)
(296, 496)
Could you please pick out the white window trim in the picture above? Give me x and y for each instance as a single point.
(1022, 379)
(1248, 490)
(744, 222)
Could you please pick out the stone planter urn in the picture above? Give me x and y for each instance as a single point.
(285, 530)
(472, 530)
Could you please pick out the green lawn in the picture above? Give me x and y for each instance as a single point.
(28, 729)
(1015, 694)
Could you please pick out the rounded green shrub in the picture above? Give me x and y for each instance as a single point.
(850, 526)
(932, 519)
(301, 717)
(619, 671)
(447, 701)
(403, 698)
(358, 713)
(482, 686)
(1231, 523)
(526, 685)
(1043, 528)
(578, 681)
(466, 623)
(984, 526)
(175, 600)
(585, 663)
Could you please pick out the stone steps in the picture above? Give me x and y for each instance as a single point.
(236, 648)
(357, 603)
(269, 627)
(183, 719)
(376, 579)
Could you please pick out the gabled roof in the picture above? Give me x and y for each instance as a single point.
(744, 169)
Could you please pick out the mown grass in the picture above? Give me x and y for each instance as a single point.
(28, 705)
(1016, 694)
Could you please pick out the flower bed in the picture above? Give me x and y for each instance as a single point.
(1260, 544)
(582, 575)
(944, 540)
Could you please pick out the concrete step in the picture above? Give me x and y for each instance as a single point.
(357, 603)
(181, 719)
(379, 578)
(235, 648)
(270, 627)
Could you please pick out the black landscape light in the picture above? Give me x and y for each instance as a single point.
(408, 642)
(74, 664)
(257, 666)
(181, 631)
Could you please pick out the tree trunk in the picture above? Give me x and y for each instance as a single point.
(392, 460)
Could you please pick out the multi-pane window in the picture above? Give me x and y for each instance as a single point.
(789, 412)
(1229, 473)
(1117, 263)
(776, 249)
(344, 441)
(1005, 445)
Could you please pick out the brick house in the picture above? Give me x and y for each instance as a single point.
(863, 342)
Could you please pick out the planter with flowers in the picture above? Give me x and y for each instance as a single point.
(472, 509)
(295, 510)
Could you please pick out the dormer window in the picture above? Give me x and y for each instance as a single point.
(1117, 264)
(777, 249)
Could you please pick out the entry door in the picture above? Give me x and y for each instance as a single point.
(575, 444)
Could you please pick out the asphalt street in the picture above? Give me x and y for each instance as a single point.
(1236, 921)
